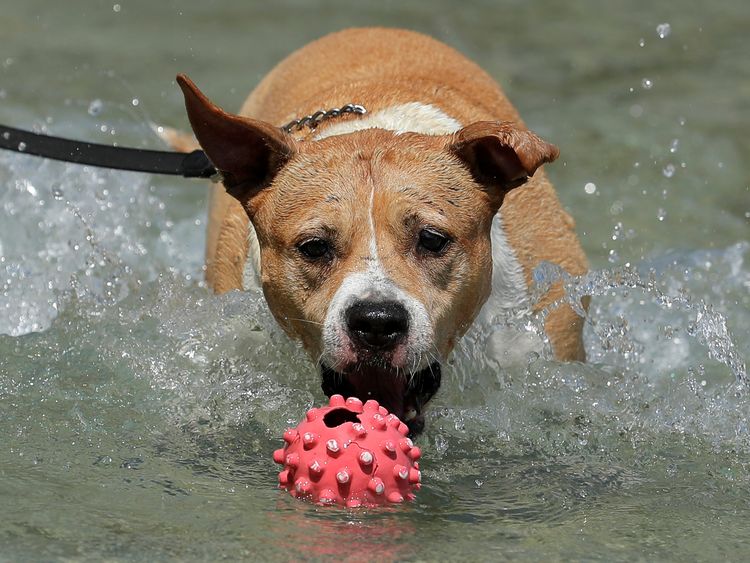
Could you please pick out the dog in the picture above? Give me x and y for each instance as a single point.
(378, 237)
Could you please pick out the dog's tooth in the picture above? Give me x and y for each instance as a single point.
(410, 414)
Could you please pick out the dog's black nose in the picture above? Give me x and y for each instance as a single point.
(377, 324)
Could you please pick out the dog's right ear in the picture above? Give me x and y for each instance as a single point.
(248, 153)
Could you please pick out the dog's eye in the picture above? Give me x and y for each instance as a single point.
(432, 241)
(314, 248)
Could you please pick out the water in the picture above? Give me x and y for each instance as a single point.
(138, 412)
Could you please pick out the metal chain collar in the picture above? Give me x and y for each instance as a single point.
(315, 119)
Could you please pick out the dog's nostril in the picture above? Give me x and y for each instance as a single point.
(377, 324)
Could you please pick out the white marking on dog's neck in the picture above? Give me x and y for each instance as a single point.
(509, 297)
(251, 271)
(509, 290)
(412, 117)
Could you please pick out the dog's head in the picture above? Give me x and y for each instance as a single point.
(375, 247)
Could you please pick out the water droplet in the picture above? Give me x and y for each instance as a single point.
(617, 231)
(95, 107)
(641, 42)
(21, 146)
(647, 84)
(668, 170)
(116, 8)
(661, 214)
(590, 188)
(663, 30)
(674, 146)
(6, 135)
(57, 193)
(135, 101)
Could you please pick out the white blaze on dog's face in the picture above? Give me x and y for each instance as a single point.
(375, 246)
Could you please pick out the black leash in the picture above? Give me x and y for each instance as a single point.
(189, 165)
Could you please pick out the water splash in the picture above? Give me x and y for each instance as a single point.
(705, 324)
(658, 365)
(100, 255)
(65, 228)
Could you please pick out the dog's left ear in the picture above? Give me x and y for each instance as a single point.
(247, 152)
(500, 156)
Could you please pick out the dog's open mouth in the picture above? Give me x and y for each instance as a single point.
(403, 394)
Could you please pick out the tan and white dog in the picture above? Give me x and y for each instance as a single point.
(378, 238)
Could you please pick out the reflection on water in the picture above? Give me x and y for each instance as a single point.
(138, 412)
(382, 535)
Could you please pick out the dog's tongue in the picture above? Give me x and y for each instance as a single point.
(383, 385)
